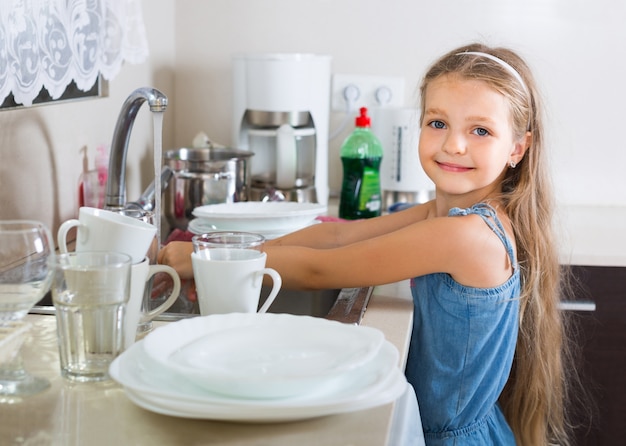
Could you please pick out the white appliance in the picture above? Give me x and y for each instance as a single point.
(402, 178)
(281, 105)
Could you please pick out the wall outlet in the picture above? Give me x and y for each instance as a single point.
(370, 91)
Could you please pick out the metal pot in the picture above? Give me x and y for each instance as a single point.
(206, 175)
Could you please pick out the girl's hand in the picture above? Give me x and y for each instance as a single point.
(178, 256)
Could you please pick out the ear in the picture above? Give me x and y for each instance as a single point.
(520, 148)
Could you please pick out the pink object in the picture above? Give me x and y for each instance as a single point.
(178, 235)
(326, 218)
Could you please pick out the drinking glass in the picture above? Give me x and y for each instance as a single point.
(25, 277)
(90, 291)
(227, 240)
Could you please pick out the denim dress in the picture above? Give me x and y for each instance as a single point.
(462, 349)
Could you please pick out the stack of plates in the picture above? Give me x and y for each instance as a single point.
(260, 368)
(271, 219)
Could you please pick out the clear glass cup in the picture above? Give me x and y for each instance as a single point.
(227, 240)
(89, 292)
(26, 249)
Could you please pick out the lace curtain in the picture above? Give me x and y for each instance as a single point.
(49, 43)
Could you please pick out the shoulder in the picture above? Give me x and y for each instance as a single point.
(473, 253)
(461, 234)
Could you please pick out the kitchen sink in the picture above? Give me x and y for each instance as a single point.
(346, 305)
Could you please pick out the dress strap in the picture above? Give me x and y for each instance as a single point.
(489, 216)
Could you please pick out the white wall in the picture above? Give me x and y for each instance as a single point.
(576, 49)
(40, 147)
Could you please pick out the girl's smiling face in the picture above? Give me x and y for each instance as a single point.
(466, 140)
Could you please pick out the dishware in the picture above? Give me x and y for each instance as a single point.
(148, 217)
(150, 301)
(103, 230)
(154, 388)
(89, 292)
(262, 355)
(26, 247)
(228, 272)
(136, 316)
(200, 225)
(260, 216)
(226, 240)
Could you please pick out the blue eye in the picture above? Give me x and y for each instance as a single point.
(481, 132)
(437, 124)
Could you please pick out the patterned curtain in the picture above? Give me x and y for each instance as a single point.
(49, 43)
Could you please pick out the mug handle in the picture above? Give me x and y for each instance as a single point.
(277, 282)
(62, 234)
(154, 269)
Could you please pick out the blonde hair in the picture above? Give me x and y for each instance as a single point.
(534, 398)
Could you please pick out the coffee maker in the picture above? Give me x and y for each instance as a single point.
(281, 105)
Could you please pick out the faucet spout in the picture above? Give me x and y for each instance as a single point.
(116, 183)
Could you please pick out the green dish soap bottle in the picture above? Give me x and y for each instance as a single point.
(361, 154)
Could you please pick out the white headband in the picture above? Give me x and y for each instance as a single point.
(502, 63)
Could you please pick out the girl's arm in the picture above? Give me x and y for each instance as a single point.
(462, 246)
(378, 251)
(320, 236)
(296, 255)
(332, 235)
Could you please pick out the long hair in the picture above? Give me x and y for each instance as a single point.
(534, 398)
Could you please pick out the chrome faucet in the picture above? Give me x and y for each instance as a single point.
(116, 183)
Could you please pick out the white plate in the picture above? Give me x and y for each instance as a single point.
(259, 216)
(377, 383)
(202, 226)
(394, 388)
(138, 372)
(266, 355)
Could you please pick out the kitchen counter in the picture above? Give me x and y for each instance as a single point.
(593, 235)
(101, 414)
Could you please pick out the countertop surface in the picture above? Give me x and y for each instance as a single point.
(101, 414)
(592, 235)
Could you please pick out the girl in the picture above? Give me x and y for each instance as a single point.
(487, 351)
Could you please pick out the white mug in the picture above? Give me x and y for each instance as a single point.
(140, 275)
(103, 230)
(228, 280)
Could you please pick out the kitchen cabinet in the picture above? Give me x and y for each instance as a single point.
(601, 336)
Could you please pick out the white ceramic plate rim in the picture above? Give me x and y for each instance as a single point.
(166, 340)
(135, 370)
(384, 384)
(259, 210)
(202, 226)
(395, 387)
(359, 345)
